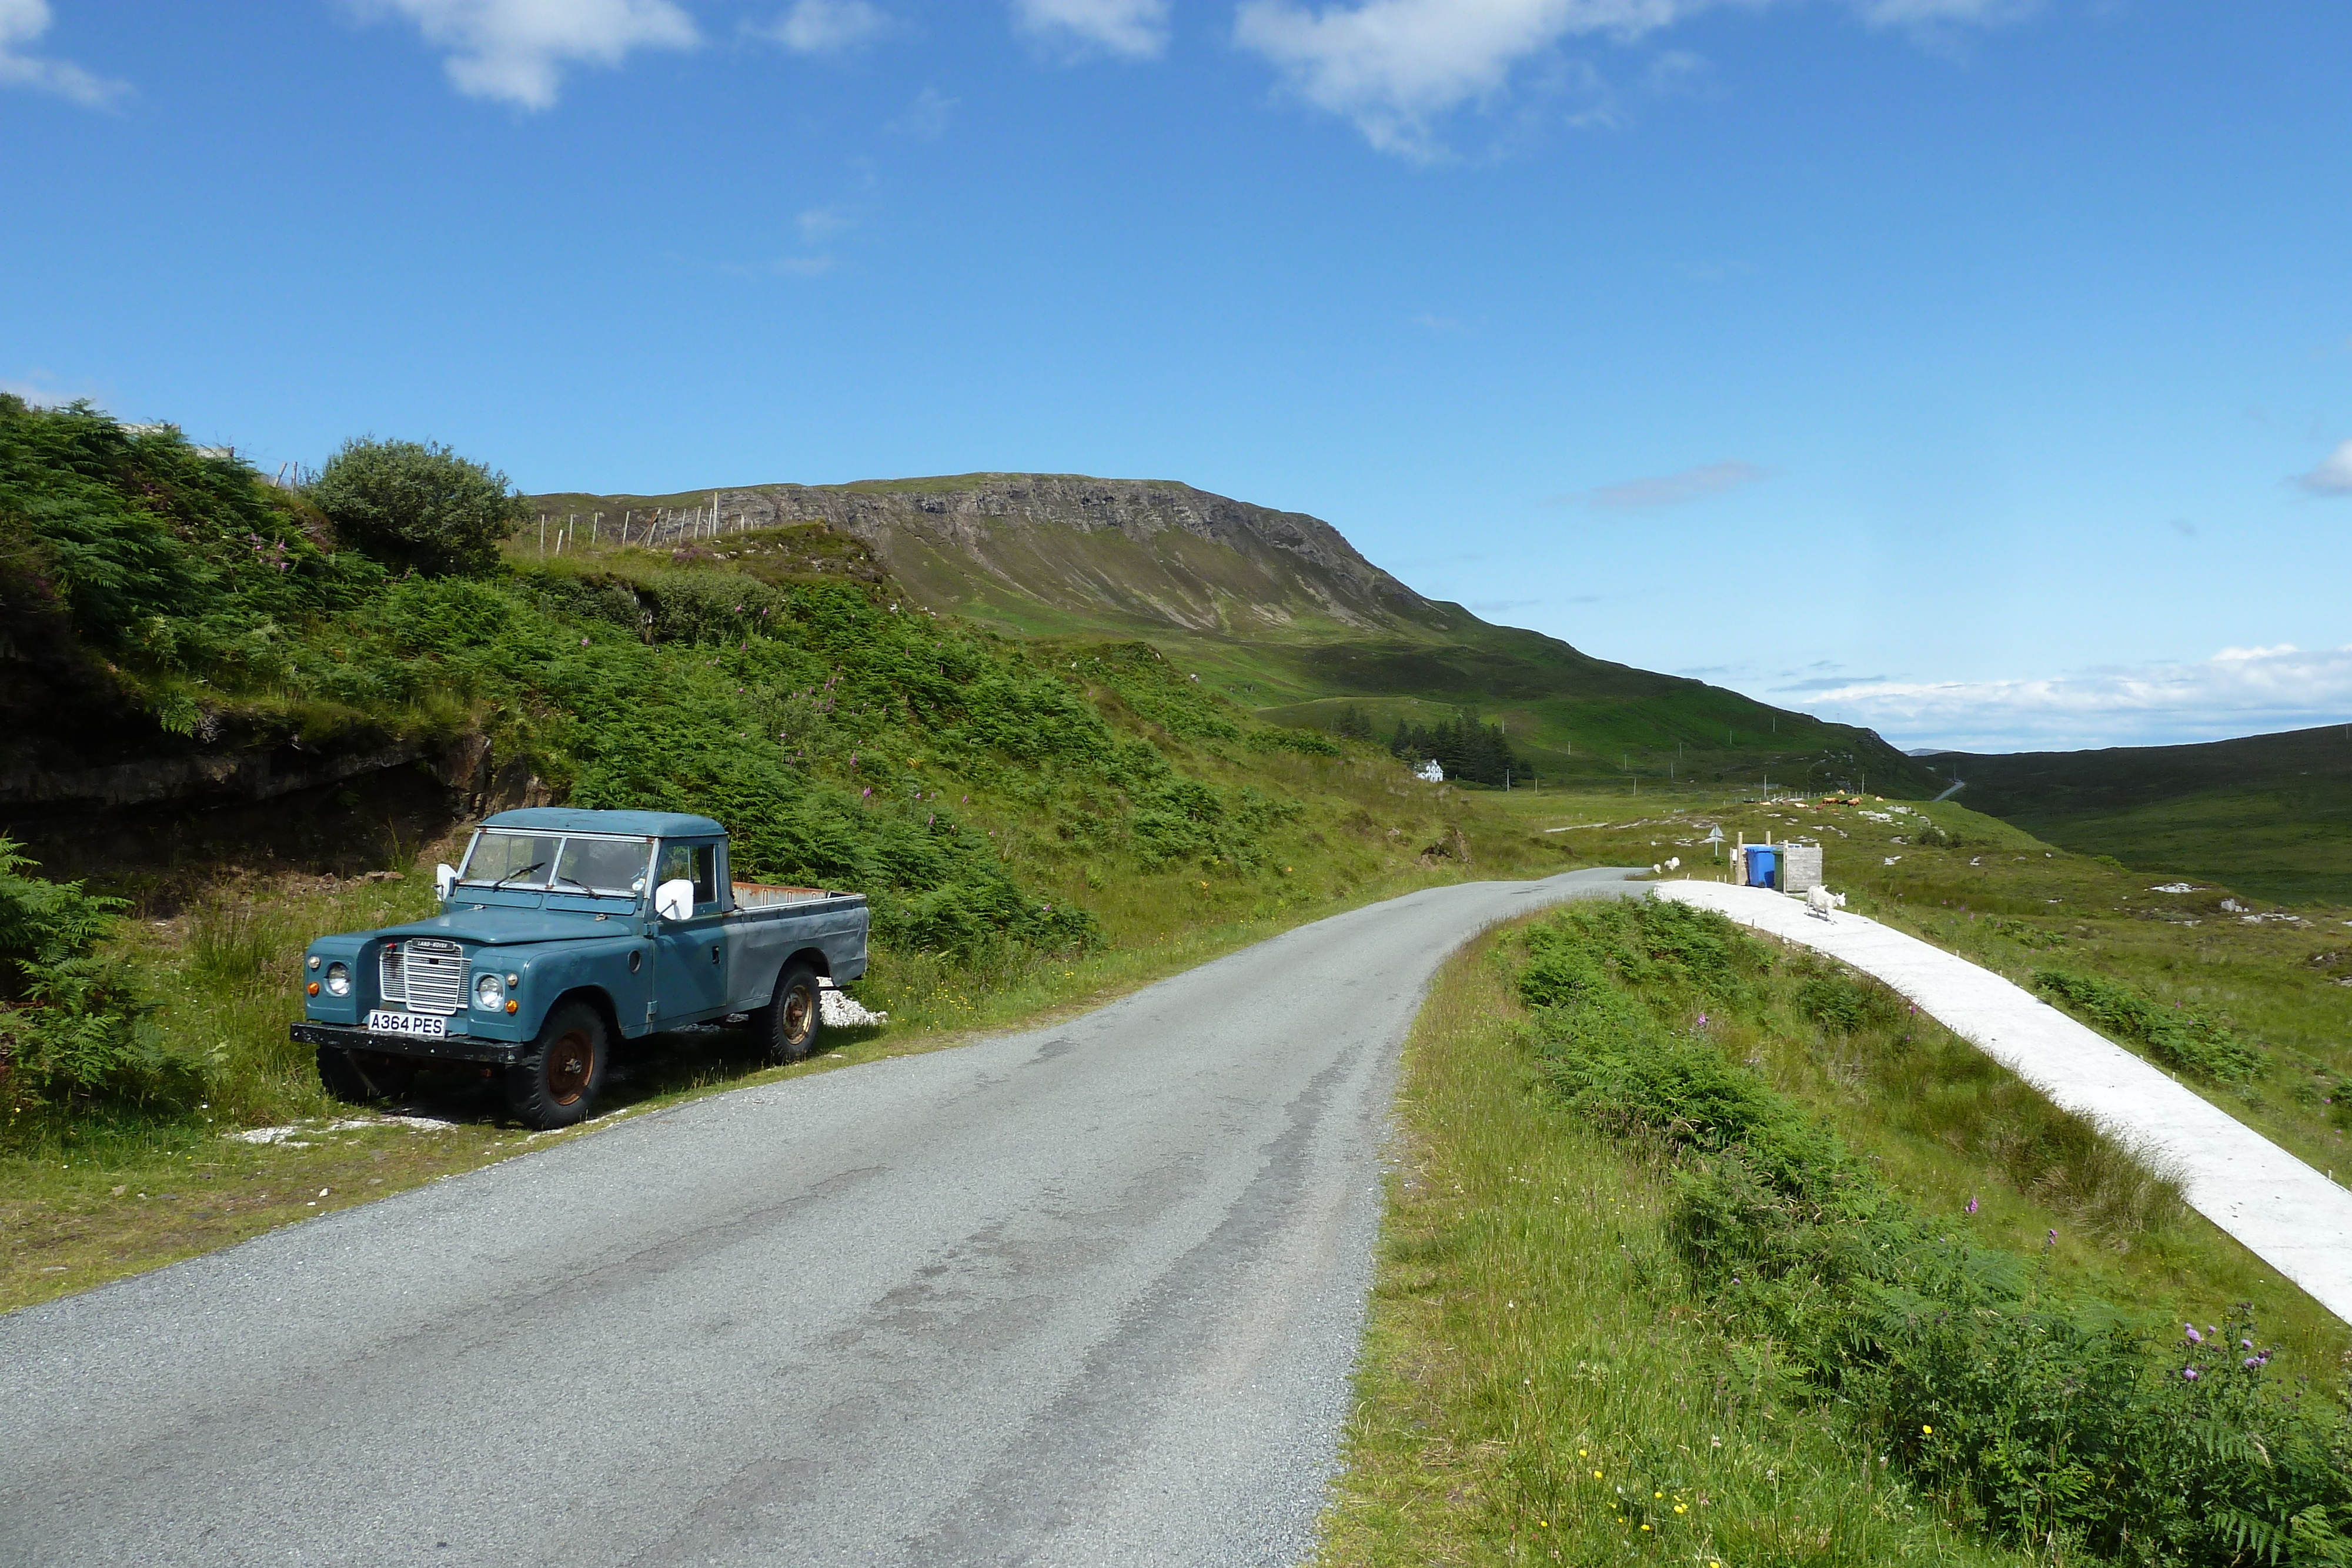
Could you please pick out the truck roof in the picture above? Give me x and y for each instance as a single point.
(577, 820)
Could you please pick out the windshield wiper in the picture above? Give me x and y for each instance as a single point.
(512, 874)
(576, 882)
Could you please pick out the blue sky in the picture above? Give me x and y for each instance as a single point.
(1977, 370)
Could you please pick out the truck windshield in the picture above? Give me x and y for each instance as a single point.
(537, 861)
(602, 865)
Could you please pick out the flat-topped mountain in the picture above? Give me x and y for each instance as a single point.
(1151, 550)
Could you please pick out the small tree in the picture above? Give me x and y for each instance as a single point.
(417, 505)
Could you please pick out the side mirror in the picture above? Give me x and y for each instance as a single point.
(444, 879)
(675, 900)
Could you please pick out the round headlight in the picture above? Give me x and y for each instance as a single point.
(339, 980)
(487, 992)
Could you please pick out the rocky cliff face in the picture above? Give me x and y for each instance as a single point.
(1130, 545)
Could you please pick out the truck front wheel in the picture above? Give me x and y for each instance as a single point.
(358, 1077)
(556, 1082)
(787, 1027)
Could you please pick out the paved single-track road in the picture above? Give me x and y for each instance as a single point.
(1086, 1295)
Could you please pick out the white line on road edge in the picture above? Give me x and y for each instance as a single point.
(2289, 1215)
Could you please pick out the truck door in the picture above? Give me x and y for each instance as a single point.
(690, 977)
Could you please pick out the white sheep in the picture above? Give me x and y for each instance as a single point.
(1820, 901)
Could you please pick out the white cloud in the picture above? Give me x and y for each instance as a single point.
(830, 26)
(926, 119)
(818, 224)
(1133, 29)
(2238, 691)
(40, 388)
(1675, 489)
(1393, 66)
(2334, 474)
(516, 49)
(21, 22)
(1396, 66)
(1935, 13)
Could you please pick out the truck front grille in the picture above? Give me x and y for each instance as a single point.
(424, 975)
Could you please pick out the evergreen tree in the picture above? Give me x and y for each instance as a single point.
(1467, 750)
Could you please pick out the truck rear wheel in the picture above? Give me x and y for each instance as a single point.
(556, 1082)
(787, 1027)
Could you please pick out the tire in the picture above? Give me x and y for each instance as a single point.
(787, 1027)
(556, 1082)
(358, 1077)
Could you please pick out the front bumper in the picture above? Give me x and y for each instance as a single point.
(449, 1048)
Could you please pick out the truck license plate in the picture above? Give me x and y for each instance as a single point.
(430, 1028)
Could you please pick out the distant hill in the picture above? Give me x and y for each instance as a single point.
(1279, 611)
(2268, 814)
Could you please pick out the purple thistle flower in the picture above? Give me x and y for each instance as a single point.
(2253, 1362)
(1972, 1205)
(2052, 1241)
(869, 790)
(2189, 1373)
(2245, 1344)
(2194, 1337)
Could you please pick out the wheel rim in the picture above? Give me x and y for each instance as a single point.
(800, 1007)
(571, 1061)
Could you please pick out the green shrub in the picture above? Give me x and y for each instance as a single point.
(417, 505)
(2177, 1037)
(2068, 1424)
(73, 1024)
(1305, 742)
(175, 566)
(1159, 693)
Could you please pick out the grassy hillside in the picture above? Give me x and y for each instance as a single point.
(1278, 611)
(2271, 814)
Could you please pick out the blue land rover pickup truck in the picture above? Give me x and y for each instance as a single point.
(563, 933)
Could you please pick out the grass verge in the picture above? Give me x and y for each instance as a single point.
(1537, 1383)
(1547, 1378)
